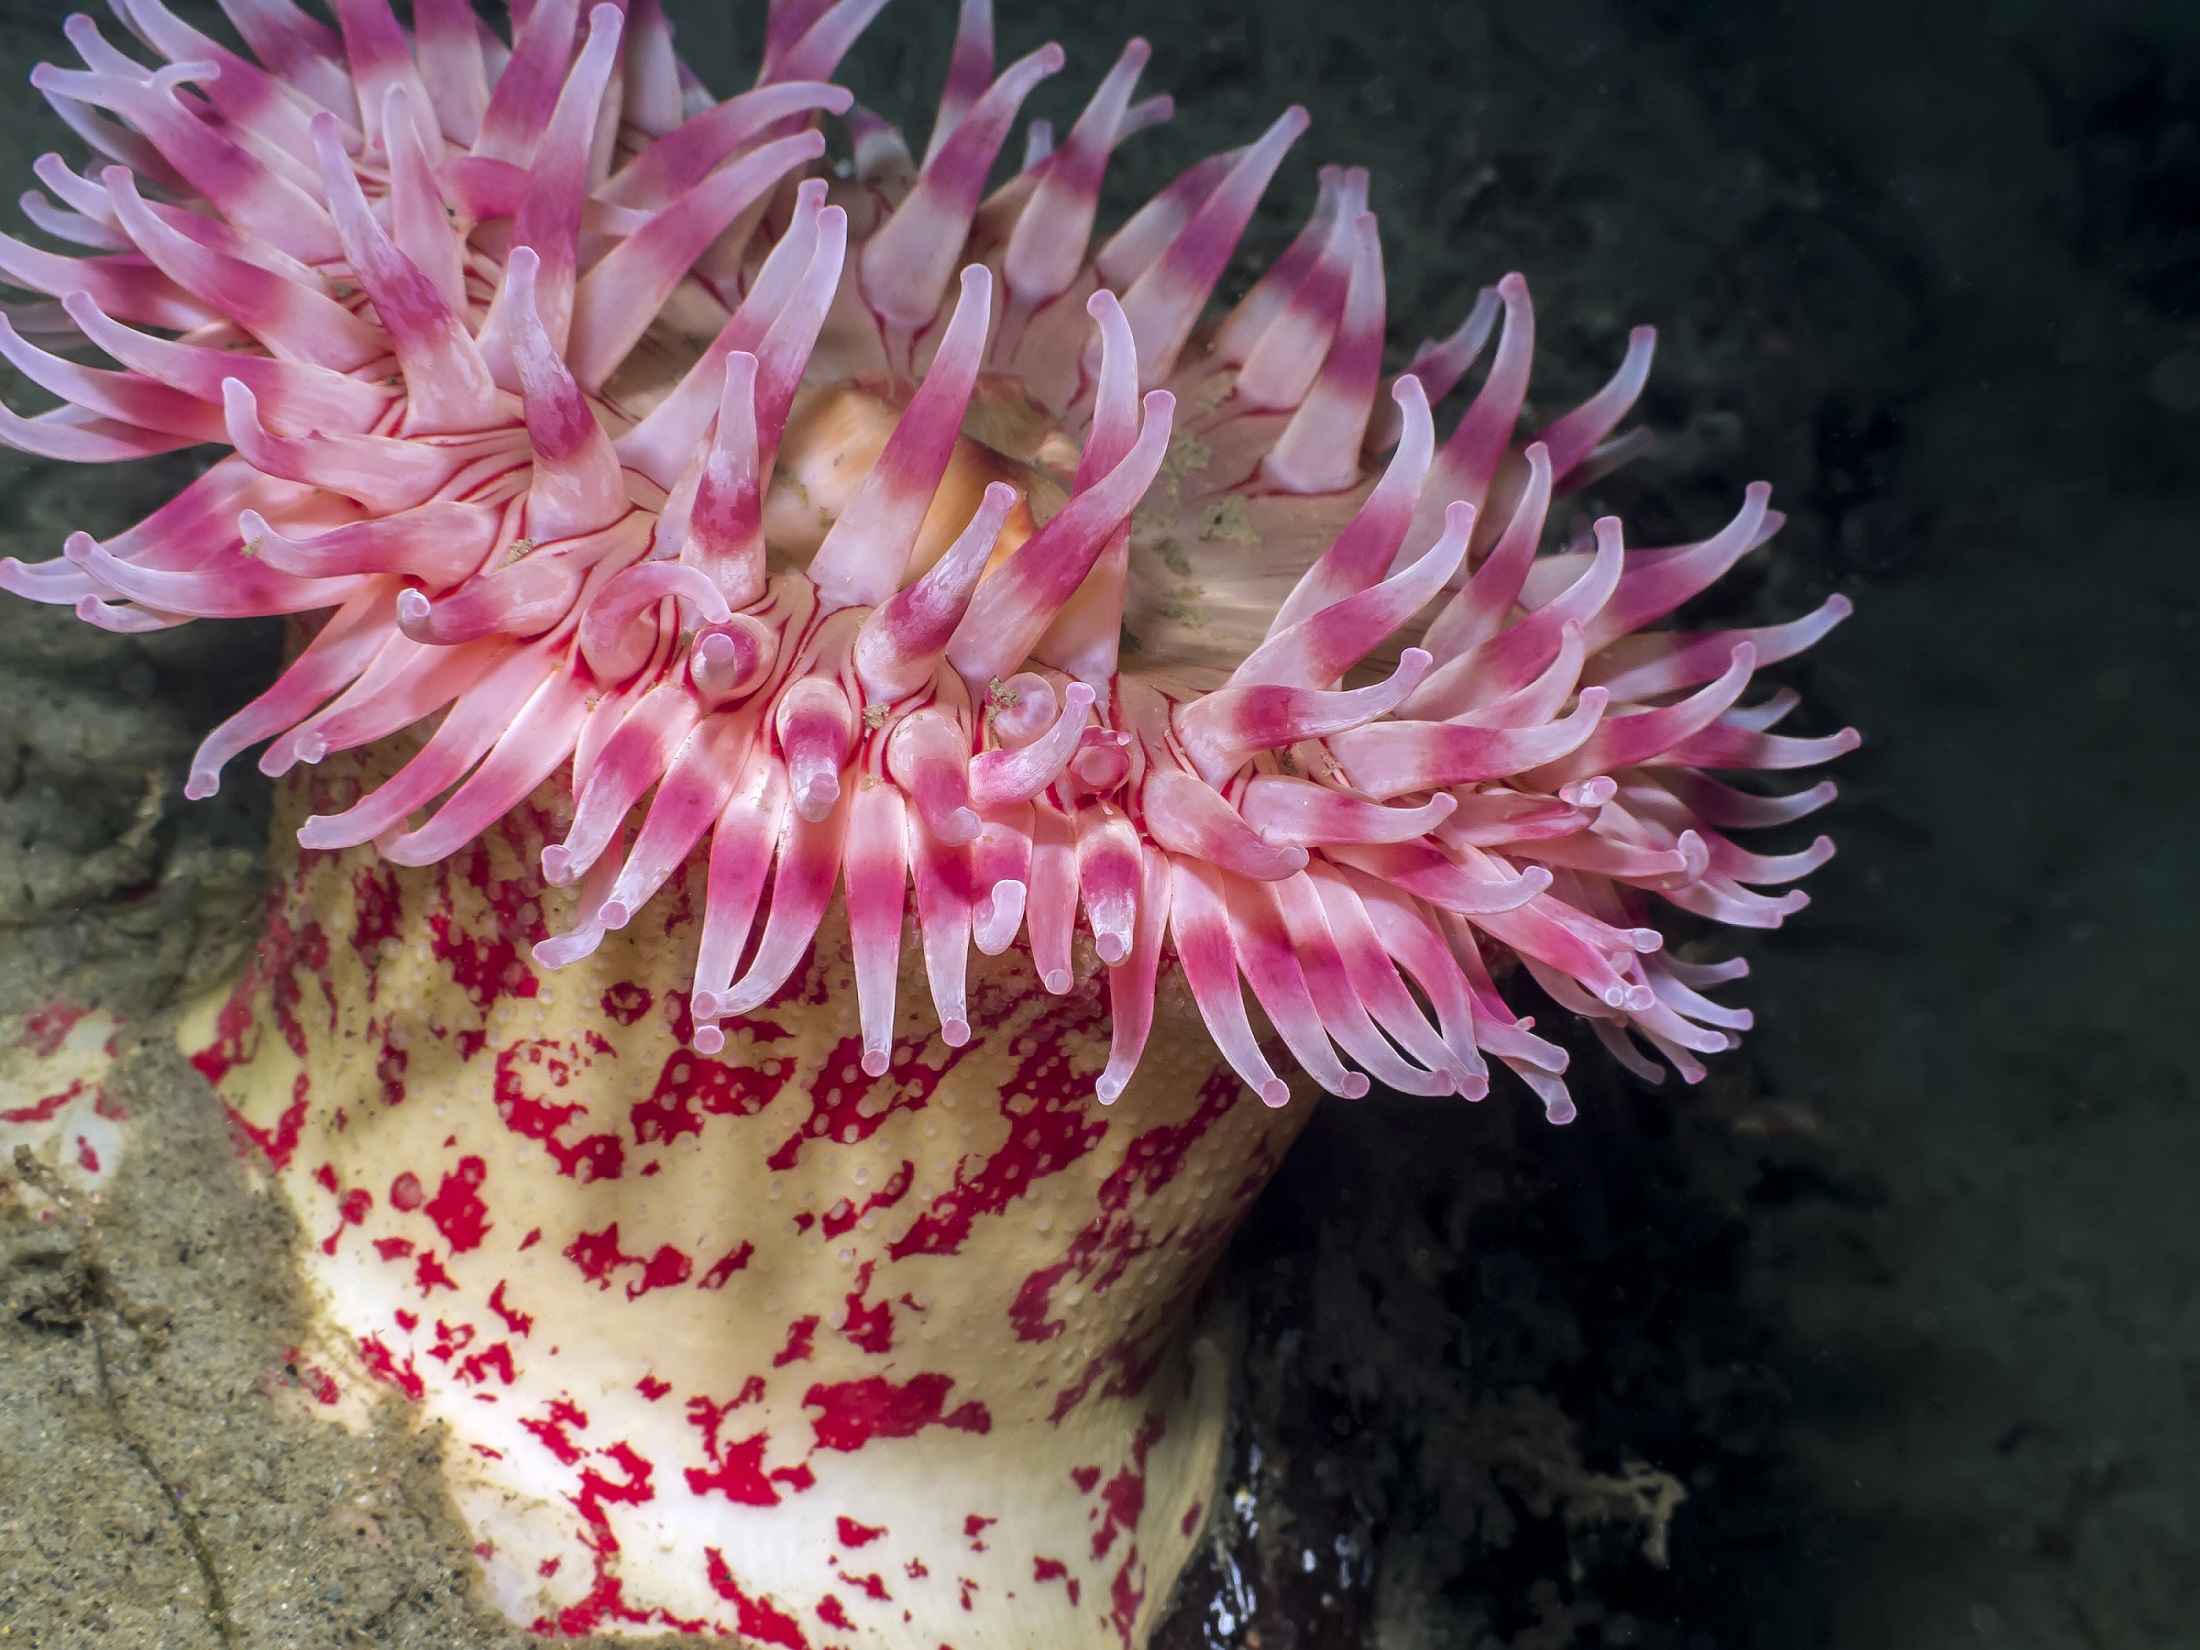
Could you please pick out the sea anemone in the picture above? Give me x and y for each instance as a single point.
(705, 547)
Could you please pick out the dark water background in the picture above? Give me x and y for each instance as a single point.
(1905, 1298)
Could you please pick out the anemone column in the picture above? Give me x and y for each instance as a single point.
(755, 1340)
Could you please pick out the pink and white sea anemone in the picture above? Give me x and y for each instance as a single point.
(750, 541)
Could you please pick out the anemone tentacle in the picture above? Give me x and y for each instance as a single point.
(883, 588)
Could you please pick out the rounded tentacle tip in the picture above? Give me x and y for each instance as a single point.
(557, 865)
(815, 796)
(1275, 1093)
(1113, 948)
(954, 1032)
(709, 1039)
(1056, 980)
(875, 1061)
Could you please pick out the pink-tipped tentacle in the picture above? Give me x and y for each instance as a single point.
(969, 71)
(1050, 902)
(1048, 244)
(630, 761)
(440, 543)
(1282, 329)
(1482, 605)
(816, 728)
(866, 552)
(123, 397)
(1539, 700)
(999, 778)
(1319, 449)
(616, 635)
(692, 151)
(403, 684)
(1013, 607)
(1323, 646)
(1470, 883)
(1365, 551)
(223, 591)
(290, 319)
(822, 44)
(1573, 438)
(379, 55)
(342, 648)
(525, 597)
(447, 383)
(906, 262)
(690, 796)
(1190, 819)
(663, 443)
(1222, 730)
(731, 661)
(518, 107)
(927, 755)
(1166, 299)
(945, 900)
(1643, 736)
(576, 486)
(1468, 460)
(1375, 983)
(1297, 813)
(1329, 985)
(1387, 759)
(382, 474)
(1131, 983)
(1199, 920)
(538, 740)
(902, 642)
(1000, 870)
(743, 843)
(293, 396)
(447, 41)
(1266, 957)
(877, 872)
(1108, 876)
(1439, 363)
(809, 870)
(1657, 582)
(468, 729)
(785, 348)
(617, 299)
